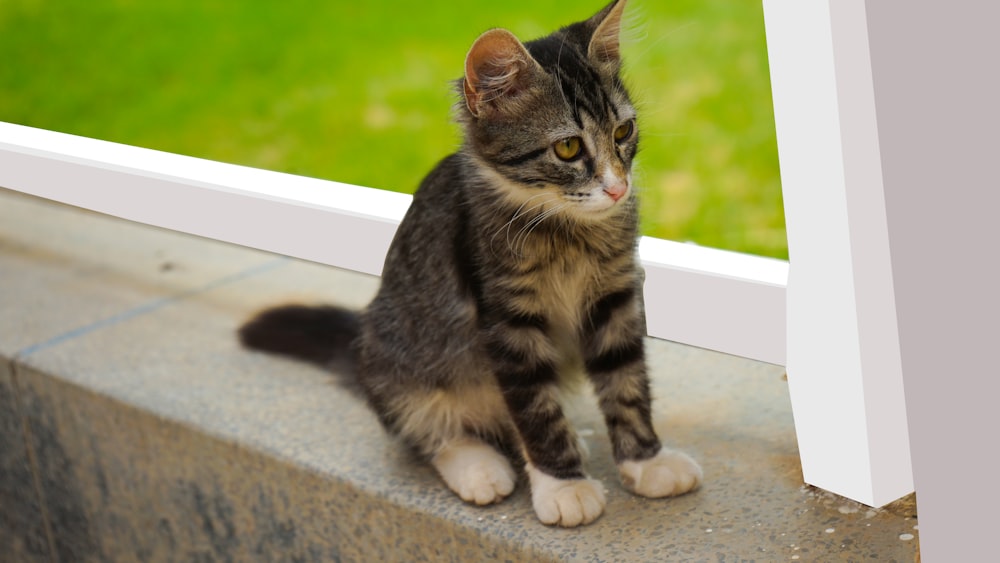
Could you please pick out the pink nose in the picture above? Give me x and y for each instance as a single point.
(616, 191)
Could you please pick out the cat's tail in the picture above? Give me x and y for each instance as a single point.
(321, 335)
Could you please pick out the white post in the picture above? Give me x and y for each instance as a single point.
(844, 374)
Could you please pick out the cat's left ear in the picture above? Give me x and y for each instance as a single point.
(498, 69)
(605, 43)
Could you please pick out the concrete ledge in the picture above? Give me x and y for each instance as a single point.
(133, 428)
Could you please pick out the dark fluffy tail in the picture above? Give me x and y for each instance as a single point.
(320, 335)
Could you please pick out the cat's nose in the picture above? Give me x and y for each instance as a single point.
(616, 191)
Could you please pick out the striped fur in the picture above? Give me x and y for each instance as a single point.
(513, 271)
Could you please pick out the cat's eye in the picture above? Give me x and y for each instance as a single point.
(624, 131)
(568, 148)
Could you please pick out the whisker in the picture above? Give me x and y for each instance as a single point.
(513, 244)
(528, 223)
(528, 228)
(518, 214)
(520, 211)
(662, 37)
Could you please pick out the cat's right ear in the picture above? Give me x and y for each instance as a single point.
(497, 69)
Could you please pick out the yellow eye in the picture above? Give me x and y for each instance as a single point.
(568, 148)
(624, 131)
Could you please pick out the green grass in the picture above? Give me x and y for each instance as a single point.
(361, 92)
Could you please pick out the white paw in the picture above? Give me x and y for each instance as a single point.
(566, 502)
(666, 474)
(475, 471)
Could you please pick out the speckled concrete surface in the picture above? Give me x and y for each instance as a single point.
(64, 269)
(156, 437)
(22, 525)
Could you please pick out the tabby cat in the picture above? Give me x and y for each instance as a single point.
(513, 273)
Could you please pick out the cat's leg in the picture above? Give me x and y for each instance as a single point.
(474, 470)
(525, 364)
(614, 353)
(561, 493)
(462, 431)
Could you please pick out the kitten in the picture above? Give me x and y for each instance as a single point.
(513, 272)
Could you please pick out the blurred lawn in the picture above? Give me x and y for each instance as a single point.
(361, 92)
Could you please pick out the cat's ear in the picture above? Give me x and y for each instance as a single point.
(605, 43)
(497, 69)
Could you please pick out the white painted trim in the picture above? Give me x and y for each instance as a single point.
(338, 224)
(844, 374)
(710, 298)
(715, 299)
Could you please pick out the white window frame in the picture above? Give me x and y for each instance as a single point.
(841, 339)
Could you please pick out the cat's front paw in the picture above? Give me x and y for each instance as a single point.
(565, 502)
(668, 473)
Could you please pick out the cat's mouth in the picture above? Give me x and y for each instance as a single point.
(601, 199)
